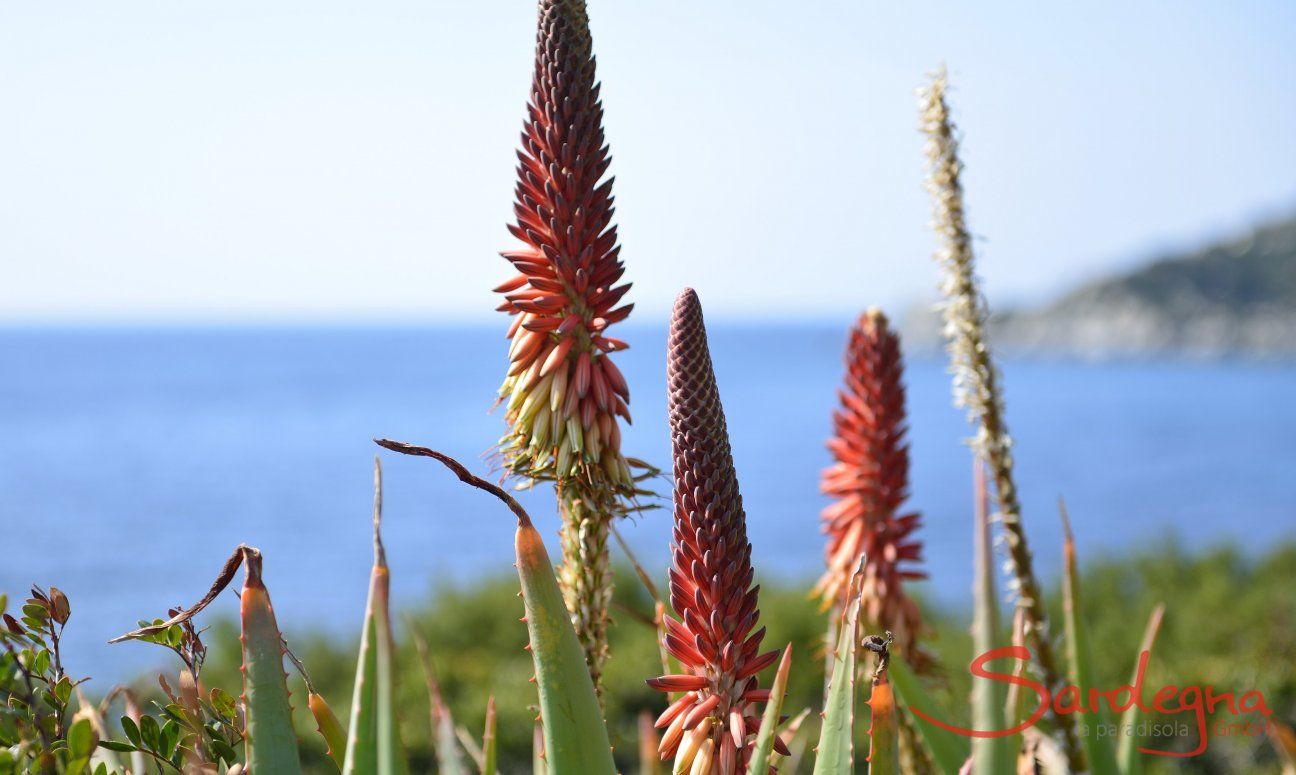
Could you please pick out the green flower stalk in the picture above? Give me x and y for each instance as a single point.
(977, 381)
(563, 395)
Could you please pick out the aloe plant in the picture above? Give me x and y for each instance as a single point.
(575, 736)
(373, 737)
(715, 637)
(564, 396)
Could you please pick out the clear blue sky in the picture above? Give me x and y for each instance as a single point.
(325, 160)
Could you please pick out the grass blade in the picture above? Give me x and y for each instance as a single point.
(769, 722)
(1127, 753)
(575, 736)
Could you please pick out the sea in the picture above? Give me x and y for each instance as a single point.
(134, 460)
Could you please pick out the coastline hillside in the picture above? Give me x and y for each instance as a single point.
(1232, 298)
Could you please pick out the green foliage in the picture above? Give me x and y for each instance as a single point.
(35, 729)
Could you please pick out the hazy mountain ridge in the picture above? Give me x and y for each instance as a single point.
(1232, 298)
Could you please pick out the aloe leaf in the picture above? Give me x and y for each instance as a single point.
(884, 742)
(835, 754)
(444, 732)
(1098, 748)
(1127, 753)
(797, 735)
(769, 722)
(948, 750)
(329, 727)
(575, 736)
(326, 722)
(373, 742)
(271, 741)
(990, 755)
(489, 756)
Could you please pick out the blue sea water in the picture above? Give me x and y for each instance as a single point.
(132, 461)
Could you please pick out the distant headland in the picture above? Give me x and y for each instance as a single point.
(1232, 298)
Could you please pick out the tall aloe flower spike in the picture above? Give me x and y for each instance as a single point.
(563, 394)
(869, 481)
(715, 636)
(976, 382)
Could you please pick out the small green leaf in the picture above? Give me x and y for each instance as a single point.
(81, 738)
(132, 731)
(63, 690)
(150, 731)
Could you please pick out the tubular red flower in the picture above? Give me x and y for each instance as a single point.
(562, 391)
(715, 636)
(869, 481)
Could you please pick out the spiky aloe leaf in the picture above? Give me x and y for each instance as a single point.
(575, 736)
(770, 721)
(884, 742)
(1098, 748)
(1127, 753)
(271, 743)
(489, 754)
(948, 750)
(835, 754)
(373, 741)
(326, 722)
(990, 755)
(329, 727)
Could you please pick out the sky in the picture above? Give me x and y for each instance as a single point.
(310, 160)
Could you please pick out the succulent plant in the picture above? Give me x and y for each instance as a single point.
(869, 482)
(564, 395)
(714, 636)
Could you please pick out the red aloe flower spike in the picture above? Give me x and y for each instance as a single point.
(869, 482)
(715, 636)
(566, 293)
(562, 393)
